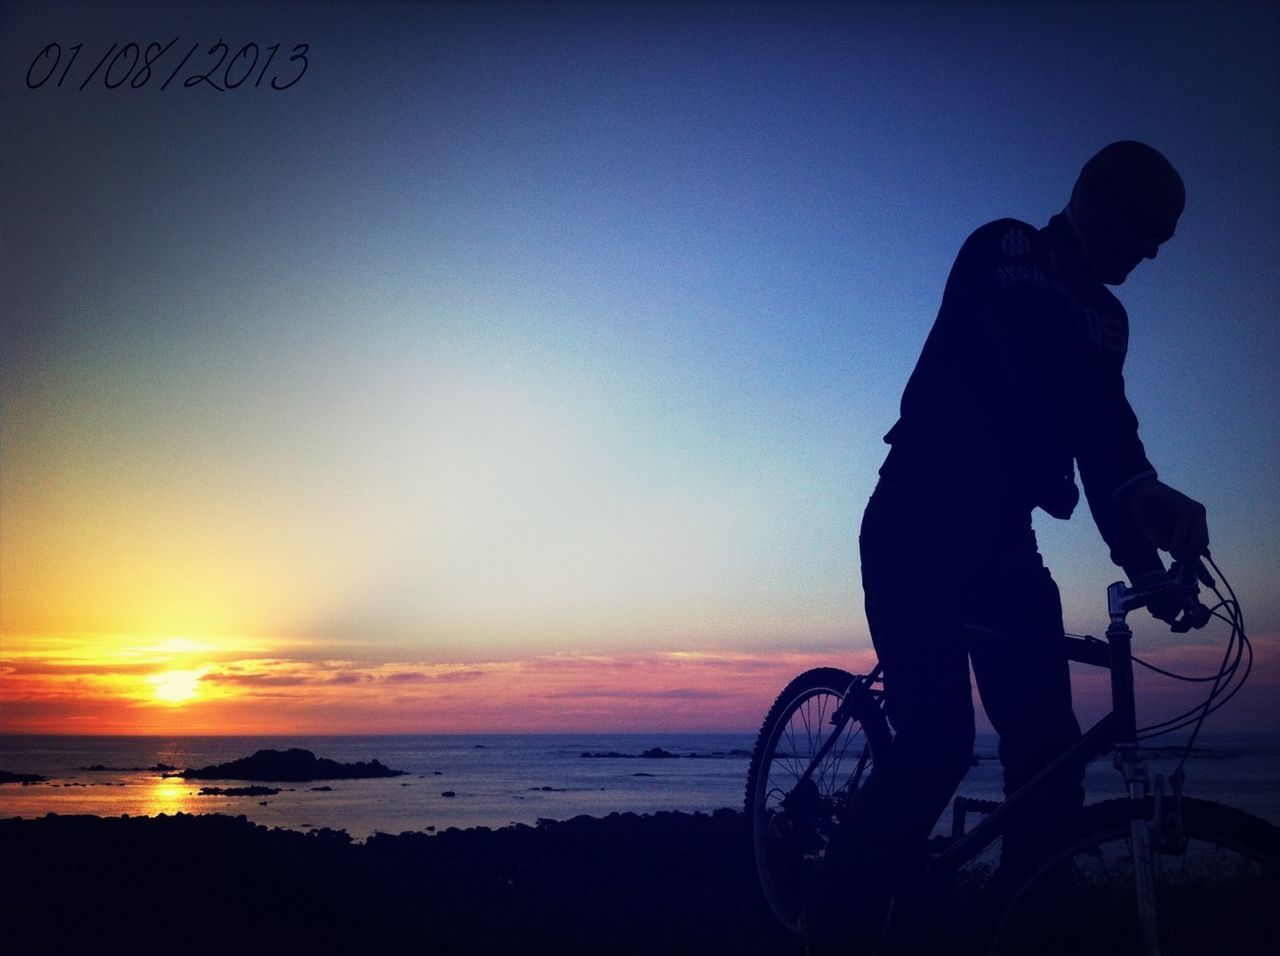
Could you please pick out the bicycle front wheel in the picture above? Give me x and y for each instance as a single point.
(1216, 891)
(796, 790)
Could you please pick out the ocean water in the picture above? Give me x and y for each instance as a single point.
(497, 780)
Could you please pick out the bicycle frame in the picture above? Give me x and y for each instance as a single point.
(857, 697)
(1116, 733)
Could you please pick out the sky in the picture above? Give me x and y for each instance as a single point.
(526, 366)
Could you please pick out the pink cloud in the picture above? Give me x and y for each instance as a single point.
(696, 690)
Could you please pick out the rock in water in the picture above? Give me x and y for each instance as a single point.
(294, 765)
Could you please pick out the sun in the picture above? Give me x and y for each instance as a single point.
(175, 687)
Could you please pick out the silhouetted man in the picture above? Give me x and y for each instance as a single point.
(1019, 381)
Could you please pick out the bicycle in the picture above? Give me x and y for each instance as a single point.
(1154, 872)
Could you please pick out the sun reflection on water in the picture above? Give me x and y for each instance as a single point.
(169, 795)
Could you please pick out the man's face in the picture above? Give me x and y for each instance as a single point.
(1131, 229)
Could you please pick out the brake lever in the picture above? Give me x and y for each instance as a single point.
(1191, 573)
(1203, 573)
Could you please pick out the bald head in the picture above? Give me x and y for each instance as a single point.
(1126, 203)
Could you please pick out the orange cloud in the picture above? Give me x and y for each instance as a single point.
(177, 686)
(668, 690)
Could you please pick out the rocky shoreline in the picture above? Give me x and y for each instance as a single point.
(626, 884)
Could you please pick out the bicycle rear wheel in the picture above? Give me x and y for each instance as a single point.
(794, 804)
(1215, 893)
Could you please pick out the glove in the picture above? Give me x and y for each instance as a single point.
(1168, 607)
(1170, 520)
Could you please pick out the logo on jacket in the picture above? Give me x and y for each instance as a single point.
(1029, 275)
(1106, 332)
(1015, 243)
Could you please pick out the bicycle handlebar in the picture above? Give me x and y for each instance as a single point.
(1180, 583)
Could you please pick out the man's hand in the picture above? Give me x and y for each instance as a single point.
(1170, 520)
(1166, 609)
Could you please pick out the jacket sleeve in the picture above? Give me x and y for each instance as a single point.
(1111, 459)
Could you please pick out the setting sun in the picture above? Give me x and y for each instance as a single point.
(175, 687)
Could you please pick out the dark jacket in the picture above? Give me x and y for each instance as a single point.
(1020, 375)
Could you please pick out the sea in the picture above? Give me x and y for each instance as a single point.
(499, 780)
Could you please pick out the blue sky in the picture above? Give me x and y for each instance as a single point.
(522, 329)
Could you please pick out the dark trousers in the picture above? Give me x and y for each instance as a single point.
(944, 591)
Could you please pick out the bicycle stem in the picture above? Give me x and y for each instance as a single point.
(1120, 649)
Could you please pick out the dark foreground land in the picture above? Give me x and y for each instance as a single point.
(667, 883)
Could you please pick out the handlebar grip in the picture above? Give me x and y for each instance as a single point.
(1176, 590)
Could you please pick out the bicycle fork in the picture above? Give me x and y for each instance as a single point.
(1144, 860)
(1128, 762)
